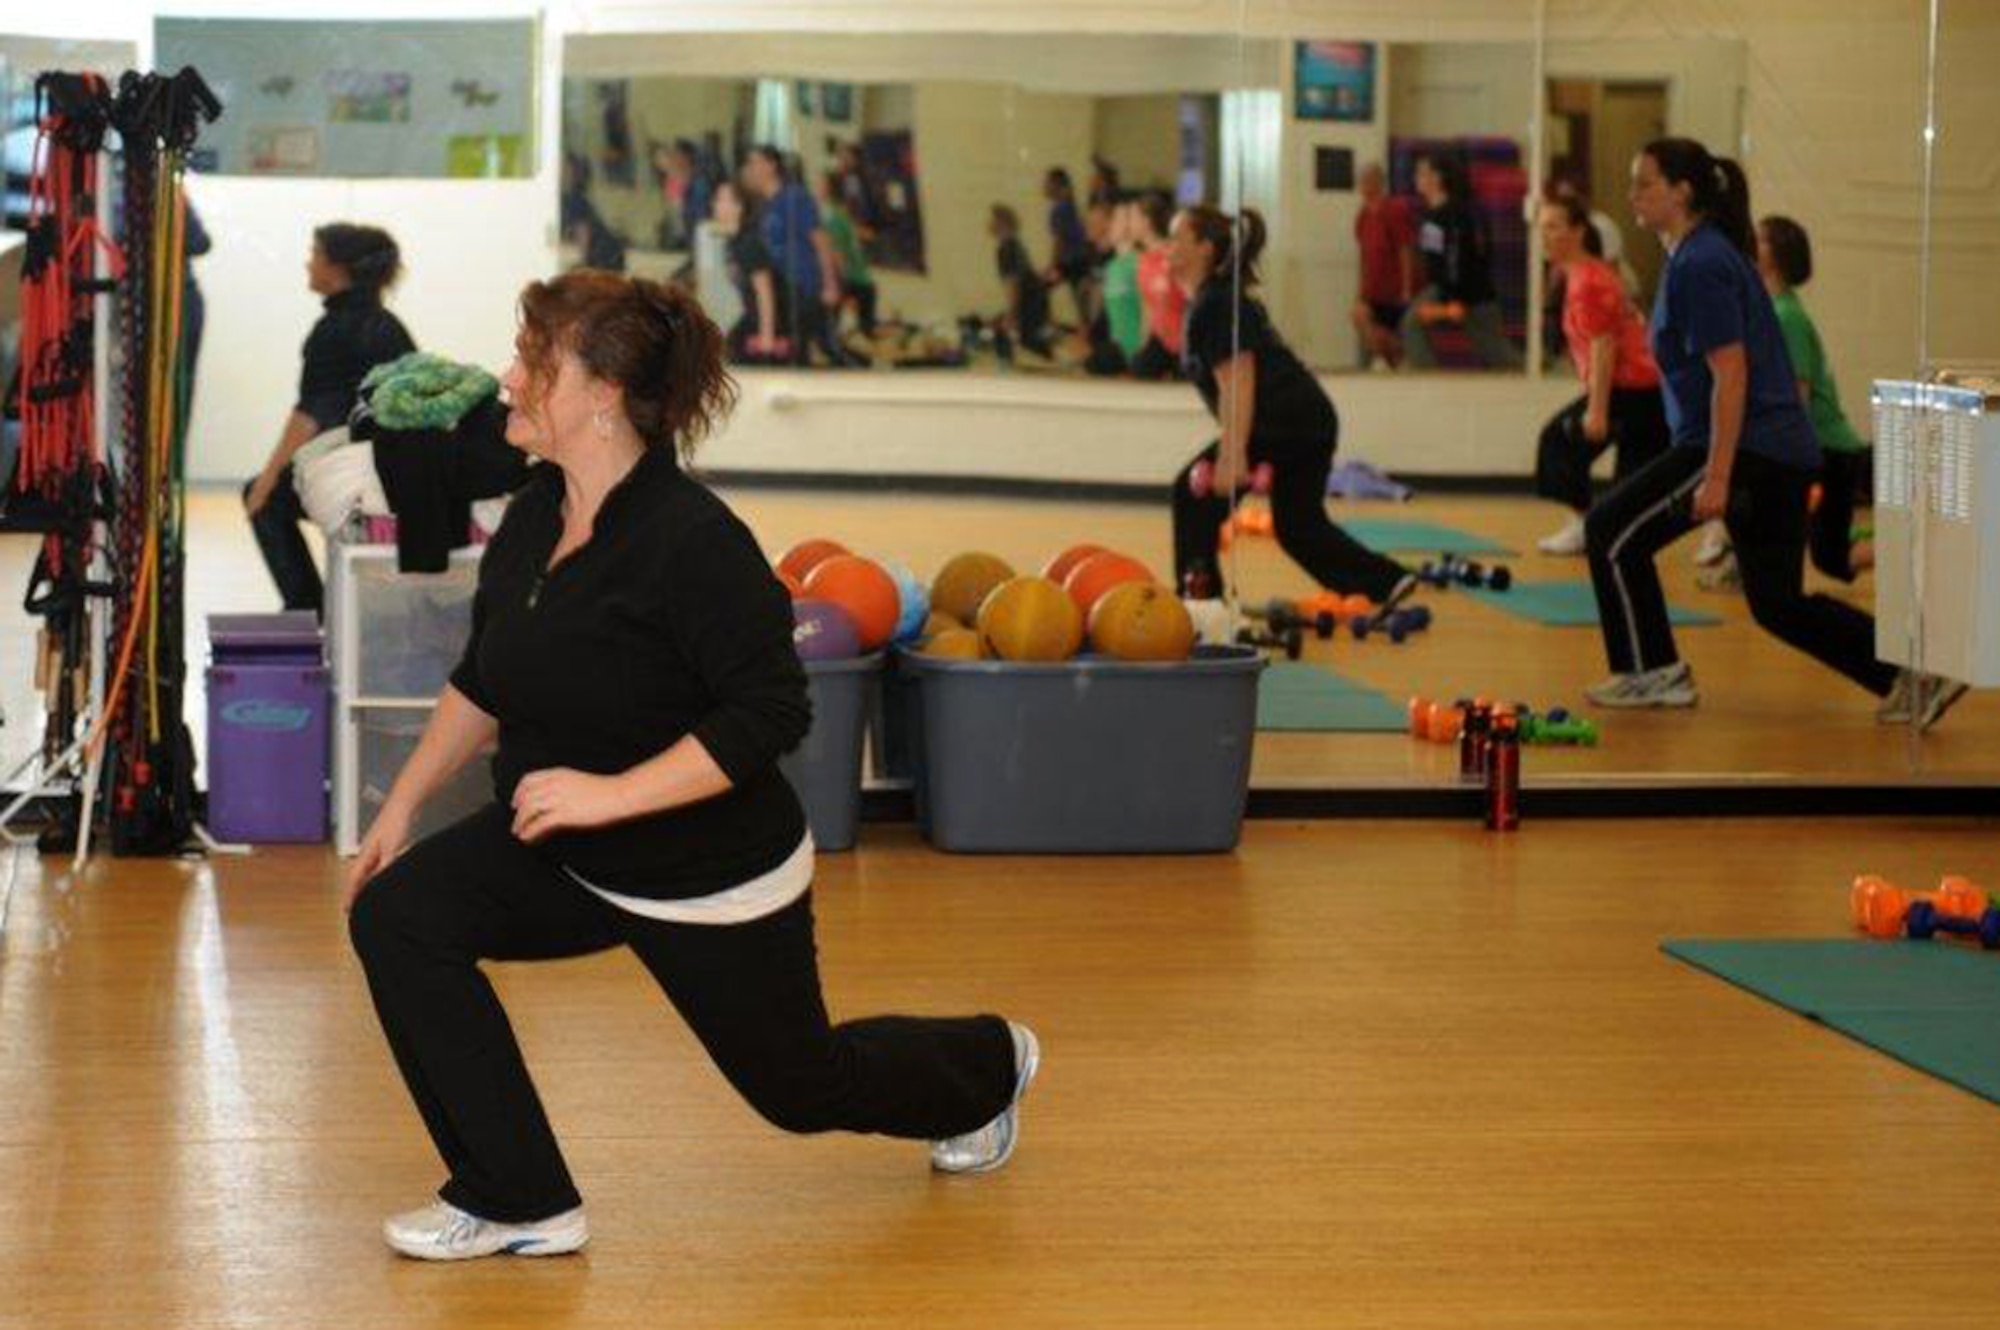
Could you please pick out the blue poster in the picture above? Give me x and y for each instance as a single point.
(1334, 81)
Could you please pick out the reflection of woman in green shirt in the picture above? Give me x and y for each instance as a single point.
(857, 283)
(1784, 260)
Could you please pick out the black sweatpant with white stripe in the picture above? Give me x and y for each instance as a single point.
(1563, 460)
(1767, 523)
(750, 992)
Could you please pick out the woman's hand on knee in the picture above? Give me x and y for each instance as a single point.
(386, 839)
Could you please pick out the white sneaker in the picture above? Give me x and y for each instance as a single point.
(1895, 708)
(1667, 686)
(1725, 574)
(1919, 697)
(1939, 696)
(1569, 540)
(1714, 544)
(992, 1145)
(443, 1232)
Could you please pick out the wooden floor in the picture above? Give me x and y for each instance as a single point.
(1396, 1075)
(1767, 713)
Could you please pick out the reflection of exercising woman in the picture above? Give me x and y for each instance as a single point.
(1458, 272)
(1621, 384)
(1271, 409)
(1784, 261)
(756, 336)
(1165, 302)
(1027, 316)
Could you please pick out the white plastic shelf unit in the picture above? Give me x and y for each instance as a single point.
(393, 639)
(1937, 527)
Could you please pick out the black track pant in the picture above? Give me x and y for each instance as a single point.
(1766, 518)
(1563, 461)
(1299, 519)
(750, 992)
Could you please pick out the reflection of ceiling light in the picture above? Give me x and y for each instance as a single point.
(1930, 133)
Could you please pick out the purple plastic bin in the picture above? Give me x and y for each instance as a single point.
(268, 729)
(240, 639)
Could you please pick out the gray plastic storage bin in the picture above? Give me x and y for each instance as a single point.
(825, 769)
(386, 738)
(413, 627)
(895, 722)
(1091, 756)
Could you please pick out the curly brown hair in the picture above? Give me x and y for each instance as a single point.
(650, 338)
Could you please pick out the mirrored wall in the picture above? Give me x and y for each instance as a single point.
(986, 205)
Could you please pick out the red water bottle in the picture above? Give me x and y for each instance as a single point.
(1503, 774)
(1472, 741)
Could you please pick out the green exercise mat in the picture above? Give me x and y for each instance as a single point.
(1570, 605)
(1389, 535)
(1296, 696)
(1934, 1006)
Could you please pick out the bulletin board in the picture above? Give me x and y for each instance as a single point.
(346, 99)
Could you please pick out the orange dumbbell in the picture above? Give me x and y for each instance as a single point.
(1438, 722)
(1341, 608)
(1879, 907)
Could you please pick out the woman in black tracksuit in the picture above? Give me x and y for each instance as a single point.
(1270, 409)
(350, 267)
(1742, 450)
(631, 652)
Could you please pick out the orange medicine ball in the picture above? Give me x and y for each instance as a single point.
(865, 590)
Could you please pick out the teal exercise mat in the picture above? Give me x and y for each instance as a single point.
(1295, 696)
(1389, 535)
(1569, 605)
(1934, 1006)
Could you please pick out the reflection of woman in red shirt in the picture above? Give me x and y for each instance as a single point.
(1165, 302)
(1621, 401)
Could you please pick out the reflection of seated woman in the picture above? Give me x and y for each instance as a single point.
(1458, 273)
(1621, 385)
(754, 338)
(1027, 316)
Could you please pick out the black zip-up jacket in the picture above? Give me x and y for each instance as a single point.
(353, 336)
(1457, 252)
(667, 622)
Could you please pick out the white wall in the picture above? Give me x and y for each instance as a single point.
(1141, 135)
(469, 245)
(1313, 272)
(1452, 89)
(1066, 430)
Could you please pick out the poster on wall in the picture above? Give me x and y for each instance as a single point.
(1334, 81)
(284, 150)
(361, 100)
(357, 97)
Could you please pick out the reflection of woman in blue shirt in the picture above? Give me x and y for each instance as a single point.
(1743, 450)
